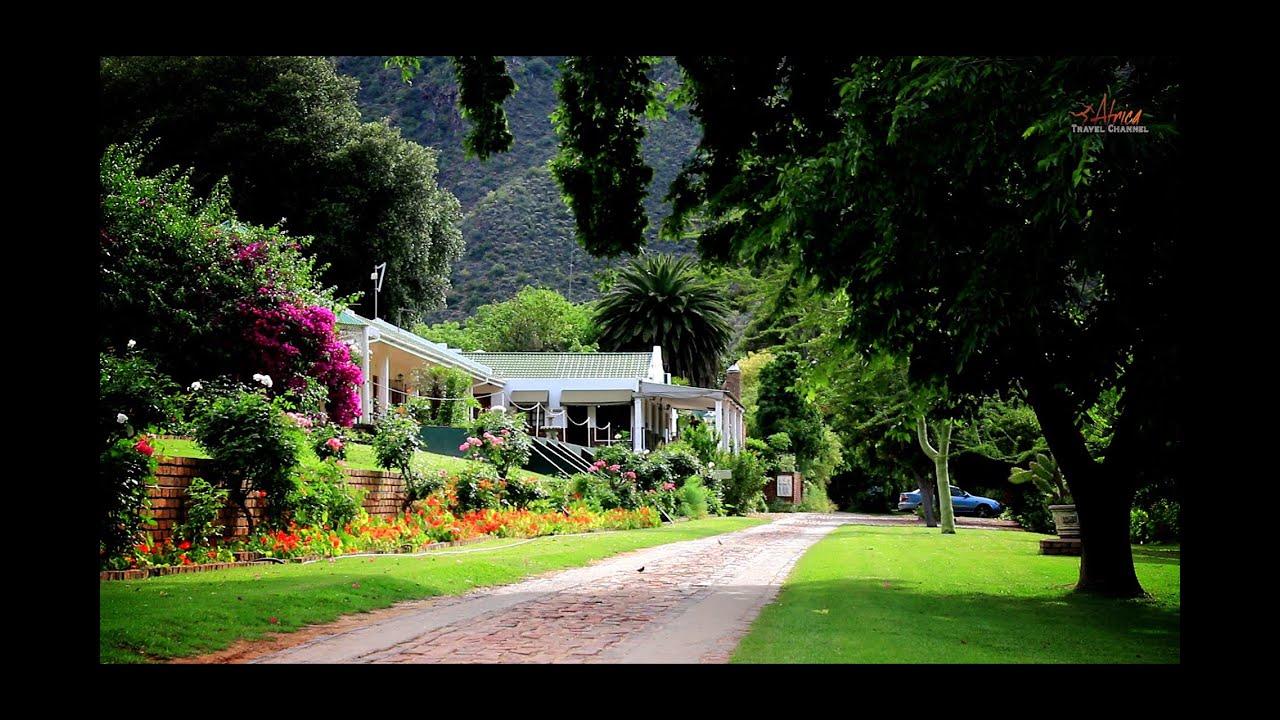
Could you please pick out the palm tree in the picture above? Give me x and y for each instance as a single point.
(662, 300)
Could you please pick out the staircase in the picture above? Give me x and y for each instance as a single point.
(553, 457)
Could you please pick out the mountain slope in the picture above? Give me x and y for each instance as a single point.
(516, 228)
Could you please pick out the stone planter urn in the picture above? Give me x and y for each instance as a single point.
(1065, 520)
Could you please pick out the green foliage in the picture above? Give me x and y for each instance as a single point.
(123, 475)
(203, 504)
(483, 85)
(287, 135)
(324, 499)
(783, 408)
(327, 441)
(535, 320)
(744, 492)
(479, 488)
(662, 300)
(596, 490)
(254, 447)
(1161, 523)
(681, 459)
(600, 166)
(693, 499)
(815, 498)
(130, 385)
(1046, 476)
(394, 442)
(499, 439)
(1004, 429)
(701, 437)
(446, 396)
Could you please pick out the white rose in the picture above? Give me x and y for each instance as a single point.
(132, 343)
(122, 418)
(257, 377)
(266, 381)
(196, 386)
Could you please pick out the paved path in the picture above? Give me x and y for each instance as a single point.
(692, 603)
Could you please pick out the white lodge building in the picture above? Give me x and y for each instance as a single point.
(581, 398)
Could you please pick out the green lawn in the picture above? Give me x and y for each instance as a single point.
(912, 595)
(358, 456)
(179, 615)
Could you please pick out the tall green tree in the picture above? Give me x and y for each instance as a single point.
(286, 133)
(535, 320)
(662, 300)
(974, 230)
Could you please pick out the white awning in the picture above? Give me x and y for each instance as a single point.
(685, 397)
(530, 396)
(594, 397)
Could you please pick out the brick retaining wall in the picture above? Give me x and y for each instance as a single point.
(384, 496)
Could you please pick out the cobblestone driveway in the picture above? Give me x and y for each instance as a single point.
(692, 603)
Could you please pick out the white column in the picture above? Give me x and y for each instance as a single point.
(591, 425)
(384, 382)
(366, 389)
(637, 424)
(720, 423)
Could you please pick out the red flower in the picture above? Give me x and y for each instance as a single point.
(144, 447)
(273, 620)
(184, 545)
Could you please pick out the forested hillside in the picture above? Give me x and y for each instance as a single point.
(516, 227)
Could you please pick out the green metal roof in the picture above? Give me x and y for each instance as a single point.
(564, 364)
(346, 317)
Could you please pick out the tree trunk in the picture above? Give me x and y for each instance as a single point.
(927, 500)
(1102, 496)
(1106, 556)
(939, 458)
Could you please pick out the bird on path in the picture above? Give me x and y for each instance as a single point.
(641, 569)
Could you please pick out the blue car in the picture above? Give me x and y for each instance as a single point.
(961, 502)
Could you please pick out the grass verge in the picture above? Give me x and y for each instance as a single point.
(912, 595)
(182, 615)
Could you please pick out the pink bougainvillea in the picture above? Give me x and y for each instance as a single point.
(292, 341)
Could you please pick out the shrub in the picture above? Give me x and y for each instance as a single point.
(478, 488)
(447, 398)
(595, 490)
(213, 296)
(692, 498)
(132, 387)
(744, 492)
(327, 442)
(523, 492)
(702, 439)
(200, 522)
(394, 442)
(124, 470)
(815, 498)
(499, 439)
(1160, 523)
(682, 461)
(323, 497)
(254, 447)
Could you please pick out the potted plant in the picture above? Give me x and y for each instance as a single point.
(1044, 473)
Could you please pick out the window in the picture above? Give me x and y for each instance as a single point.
(956, 492)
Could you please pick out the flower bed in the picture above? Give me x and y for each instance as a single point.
(428, 525)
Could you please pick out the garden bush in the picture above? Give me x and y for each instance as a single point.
(1159, 523)
(702, 439)
(595, 490)
(447, 397)
(498, 438)
(211, 296)
(682, 461)
(323, 497)
(327, 441)
(395, 440)
(744, 491)
(692, 498)
(478, 488)
(255, 448)
(200, 524)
